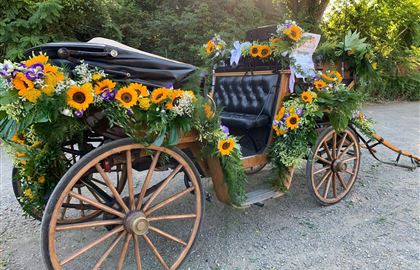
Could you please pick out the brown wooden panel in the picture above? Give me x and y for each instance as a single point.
(255, 160)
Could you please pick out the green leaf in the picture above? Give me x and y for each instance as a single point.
(159, 140)
(173, 136)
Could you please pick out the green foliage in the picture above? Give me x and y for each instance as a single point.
(393, 29)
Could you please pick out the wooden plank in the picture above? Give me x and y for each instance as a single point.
(252, 161)
(218, 179)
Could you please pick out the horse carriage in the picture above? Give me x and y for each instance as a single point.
(125, 203)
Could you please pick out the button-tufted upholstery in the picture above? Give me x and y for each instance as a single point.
(247, 101)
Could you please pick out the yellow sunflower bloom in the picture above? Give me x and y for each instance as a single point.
(159, 94)
(210, 47)
(307, 97)
(127, 97)
(174, 95)
(41, 58)
(80, 98)
(275, 40)
(279, 131)
(96, 77)
(53, 70)
(18, 139)
(292, 121)
(319, 84)
(338, 77)
(327, 78)
(22, 84)
(280, 114)
(32, 95)
(226, 146)
(41, 179)
(254, 50)
(293, 32)
(104, 85)
(264, 51)
(374, 66)
(208, 111)
(140, 89)
(51, 82)
(144, 103)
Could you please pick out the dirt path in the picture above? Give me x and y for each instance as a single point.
(376, 227)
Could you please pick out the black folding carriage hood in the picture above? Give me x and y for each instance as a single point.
(121, 62)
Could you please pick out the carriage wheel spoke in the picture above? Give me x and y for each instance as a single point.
(111, 187)
(89, 224)
(130, 180)
(91, 245)
(323, 180)
(323, 159)
(98, 181)
(94, 194)
(327, 186)
(147, 180)
(63, 211)
(137, 251)
(167, 235)
(124, 250)
(155, 251)
(172, 217)
(349, 159)
(97, 204)
(349, 172)
(322, 169)
(169, 200)
(341, 181)
(327, 150)
(340, 145)
(79, 190)
(334, 145)
(345, 150)
(334, 187)
(162, 186)
(108, 251)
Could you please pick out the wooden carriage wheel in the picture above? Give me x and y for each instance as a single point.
(142, 222)
(333, 165)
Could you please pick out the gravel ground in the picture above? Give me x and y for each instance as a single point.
(375, 227)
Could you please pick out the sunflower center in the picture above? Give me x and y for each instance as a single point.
(293, 120)
(226, 145)
(175, 102)
(293, 33)
(79, 97)
(264, 52)
(159, 96)
(126, 97)
(254, 50)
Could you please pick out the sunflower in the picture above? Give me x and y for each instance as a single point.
(81, 97)
(319, 84)
(19, 139)
(22, 84)
(264, 52)
(96, 76)
(159, 95)
(327, 78)
(140, 89)
(51, 82)
(292, 121)
(337, 76)
(41, 58)
(210, 47)
(144, 103)
(104, 85)
(53, 70)
(279, 131)
(275, 40)
(280, 114)
(174, 95)
(32, 95)
(293, 32)
(254, 50)
(307, 97)
(41, 179)
(226, 146)
(127, 97)
(28, 193)
(208, 111)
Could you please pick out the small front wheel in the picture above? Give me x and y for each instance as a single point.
(333, 165)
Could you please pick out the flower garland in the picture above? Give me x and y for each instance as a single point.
(37, 97)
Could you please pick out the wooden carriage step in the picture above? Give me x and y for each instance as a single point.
(260, 195)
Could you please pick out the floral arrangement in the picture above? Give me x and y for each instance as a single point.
(37, 98)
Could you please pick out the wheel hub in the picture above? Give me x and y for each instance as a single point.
(338, 166)
(136, 222)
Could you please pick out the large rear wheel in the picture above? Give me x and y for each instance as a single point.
(152, 224)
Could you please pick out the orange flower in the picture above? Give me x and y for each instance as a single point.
(319, 84)
(293, 32)
(264, 51)
(104, 85)
(210, 47)
(41, 58)
(307, 97)
(254, 50)
(127, 97)
(140, 89)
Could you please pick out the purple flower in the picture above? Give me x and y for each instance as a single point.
(14, 72)
(108, 95)
(299, 111)
(38, 66)
(285, 116)
(129, 112)
(30, 74)
(169, 86)
(6, 70)
(78, 113)
(225, 129)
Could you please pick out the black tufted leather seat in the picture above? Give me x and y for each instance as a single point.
(247, 101)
